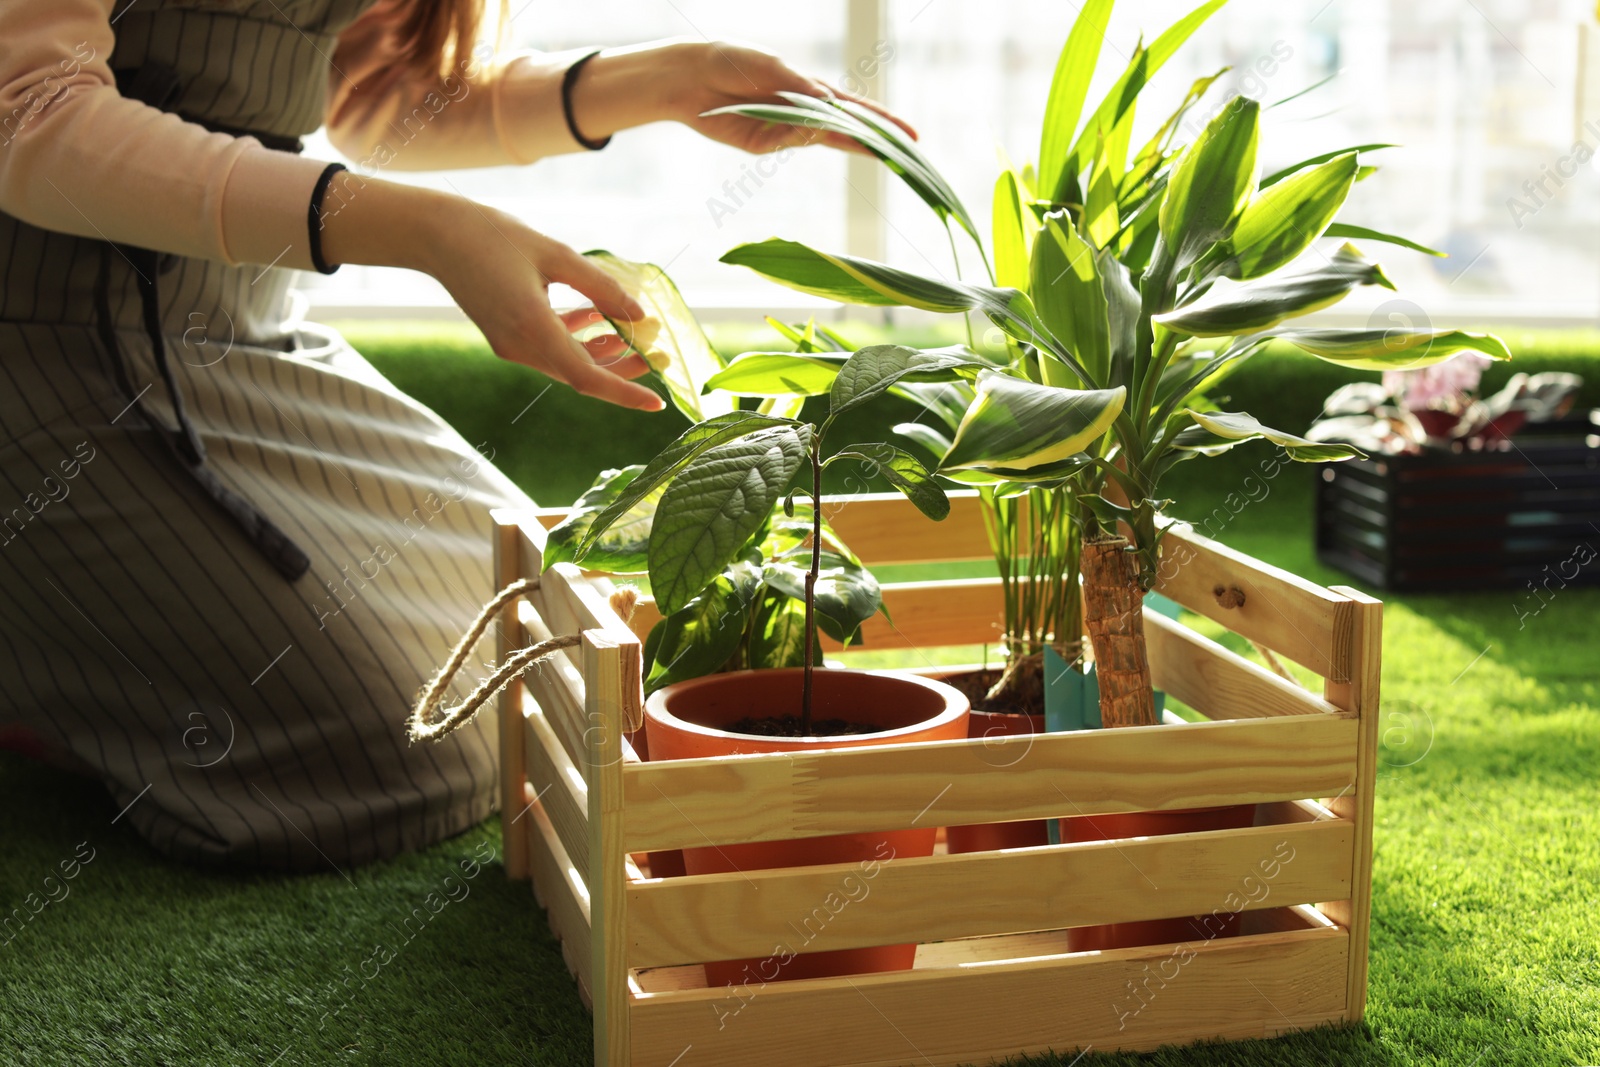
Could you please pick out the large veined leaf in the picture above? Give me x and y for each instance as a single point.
(1239, 427)
(776, 374)
(875, 369)
(849, 119)
(713, 506)
(1392, 348)
(1143, 66)
(860, 281)
(778, 638)
(621, 548)
(1018, 425)
(671, 339)
(1230, 307)
(697, 639)
(1014, 228)
(1068, 88)
(669, 461)
(1069, 297)
(1211, 182)
(1345, 229)
(847, 594)
(904, 471)
(1283, 220)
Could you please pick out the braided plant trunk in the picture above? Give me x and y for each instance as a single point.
(1113, 610)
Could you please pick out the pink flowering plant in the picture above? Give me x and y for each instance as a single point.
(1441, 407)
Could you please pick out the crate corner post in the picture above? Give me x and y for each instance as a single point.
(509, 637)
(1359, 694)
(611, 668)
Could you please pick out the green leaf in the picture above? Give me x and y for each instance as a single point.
(1123, 313)
(948, 401)
(713, 506)
(849, 119)
(1014, 228)
(924, 435)
(621, 548)
(1277, 176)
(698, 638)
(846, 593)
(669, 461)
(874, 369)
(1344, 229)
(1068, 295)
(1141, 68)
(1239, 427)
(1282, 221)
(1211, 182)
(859, 281)
(1018, 425)
(1393, 348)
(678, 351)
(779, 636)
(905, 472)
(1246, 307)
(776, 374)
(1069, 87)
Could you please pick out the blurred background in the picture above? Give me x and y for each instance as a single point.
(1488, 100)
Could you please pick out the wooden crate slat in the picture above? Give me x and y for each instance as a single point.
(557, 687)
(563, 894)
(771, 797)
(1216, 682)
(687, 920)
(875, 527)
(966, 611)
(1290, 615)
(559, 787)
(1229, 988)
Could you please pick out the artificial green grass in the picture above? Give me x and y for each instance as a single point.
(1485, 942)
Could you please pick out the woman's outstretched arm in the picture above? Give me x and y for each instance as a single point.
(491, 111)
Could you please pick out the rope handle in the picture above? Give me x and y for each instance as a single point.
(421, 726)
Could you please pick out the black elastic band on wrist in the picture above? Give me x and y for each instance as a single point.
(314, 217)
(567, 83)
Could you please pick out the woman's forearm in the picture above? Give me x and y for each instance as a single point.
(377, 223)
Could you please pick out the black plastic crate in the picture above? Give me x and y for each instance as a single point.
(1527, 511)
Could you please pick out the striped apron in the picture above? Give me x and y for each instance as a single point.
(232, 644)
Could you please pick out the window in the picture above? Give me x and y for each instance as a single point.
(1480, 94)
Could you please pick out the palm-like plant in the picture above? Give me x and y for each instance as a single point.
(1128, 289)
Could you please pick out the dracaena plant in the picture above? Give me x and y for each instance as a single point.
(1134, 285)
(709, 501)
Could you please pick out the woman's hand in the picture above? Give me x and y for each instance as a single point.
(681, 80)
(500, 275)
(499, 271)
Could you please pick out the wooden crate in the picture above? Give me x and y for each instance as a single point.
(1442, 521)
(993, 976)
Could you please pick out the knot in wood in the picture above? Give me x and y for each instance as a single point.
(1230, 597)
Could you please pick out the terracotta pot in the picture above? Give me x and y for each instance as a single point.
(987, 837)
(688, 721)
(1155, 824)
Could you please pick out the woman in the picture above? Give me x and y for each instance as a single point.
(230, 550)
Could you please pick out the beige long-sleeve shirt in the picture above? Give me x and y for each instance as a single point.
(78, 157)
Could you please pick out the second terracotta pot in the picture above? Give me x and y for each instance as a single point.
(690, 720)
(988, 837)
(1154, 824)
